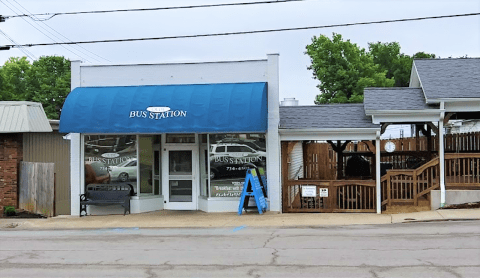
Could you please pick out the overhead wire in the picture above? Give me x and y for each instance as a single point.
(79, 46)
(256, 31)
(51, 15)
(14, 9)
(23, 49)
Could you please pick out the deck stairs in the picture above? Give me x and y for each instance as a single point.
(409, 190)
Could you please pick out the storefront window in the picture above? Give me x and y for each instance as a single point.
(230, 157)
(146, 156)
(111, 159)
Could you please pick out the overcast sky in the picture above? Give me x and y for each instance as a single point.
(445, 37)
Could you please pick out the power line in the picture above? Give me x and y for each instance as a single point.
(46, 25)
(25, 51)
(51, 15)
(254, 32)
(61, 43)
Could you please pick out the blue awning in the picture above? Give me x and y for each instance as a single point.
(205, 108)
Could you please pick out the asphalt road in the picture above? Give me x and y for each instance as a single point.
(435, 249)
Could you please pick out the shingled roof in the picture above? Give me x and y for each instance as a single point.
(401, 98)
(449, 78)
(325, 117)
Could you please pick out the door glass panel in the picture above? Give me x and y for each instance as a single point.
(180, 176)
(180, 163)
(180, 190)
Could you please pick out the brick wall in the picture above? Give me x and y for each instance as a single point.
(11, 153)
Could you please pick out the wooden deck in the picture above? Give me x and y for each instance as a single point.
(398, 187)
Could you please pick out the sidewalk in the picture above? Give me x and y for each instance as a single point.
(199, 219)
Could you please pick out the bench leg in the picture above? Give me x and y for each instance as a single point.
(126, 207)
(83, 208)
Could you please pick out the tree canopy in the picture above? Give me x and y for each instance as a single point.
(12, 78)
(46, 80)
(344, 69)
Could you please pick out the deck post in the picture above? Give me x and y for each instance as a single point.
(441, 151)
(378, 150)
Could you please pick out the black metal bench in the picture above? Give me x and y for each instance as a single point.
(105, 194)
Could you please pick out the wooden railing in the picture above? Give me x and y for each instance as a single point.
(343, 196)
(462, 171)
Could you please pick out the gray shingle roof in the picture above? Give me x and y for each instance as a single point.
(325, 116)
(403, 98)
(449, 78)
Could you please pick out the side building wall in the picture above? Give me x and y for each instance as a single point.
(51, 147)
(11, 153)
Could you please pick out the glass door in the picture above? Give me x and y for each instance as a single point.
(180, 171)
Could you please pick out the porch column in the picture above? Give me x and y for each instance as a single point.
(378, 150)
(76, 164)
(441, 151)
(273, 138)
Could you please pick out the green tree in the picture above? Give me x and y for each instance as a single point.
(12, 79)
(343, 69)
(48, 82)
(397, 65)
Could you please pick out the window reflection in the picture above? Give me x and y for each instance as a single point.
(110, 159)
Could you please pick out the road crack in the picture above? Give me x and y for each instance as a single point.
(252, 274)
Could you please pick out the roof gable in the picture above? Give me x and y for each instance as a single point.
(449, 78)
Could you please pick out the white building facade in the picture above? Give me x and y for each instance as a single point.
(181, 135)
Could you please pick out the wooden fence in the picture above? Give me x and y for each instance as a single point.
(321, 160)
(37, 187)
(343, 196)
(458, 142)
(462, 142)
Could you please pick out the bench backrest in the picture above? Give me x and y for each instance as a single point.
(107, 192)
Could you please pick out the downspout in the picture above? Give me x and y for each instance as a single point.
(441, 151)
(377, 173)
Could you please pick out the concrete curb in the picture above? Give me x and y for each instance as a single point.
(197, 220)
(441, 220)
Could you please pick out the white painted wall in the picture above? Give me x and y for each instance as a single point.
(465, 126)
(273, 138)
(295, 171)
(168, 74)
(75, 172)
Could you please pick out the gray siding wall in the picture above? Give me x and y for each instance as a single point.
(51, 147)
(295, 170)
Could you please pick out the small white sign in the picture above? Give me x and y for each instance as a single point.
(110, 155)
(309, 191)
(159, 109)
(323, 192)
